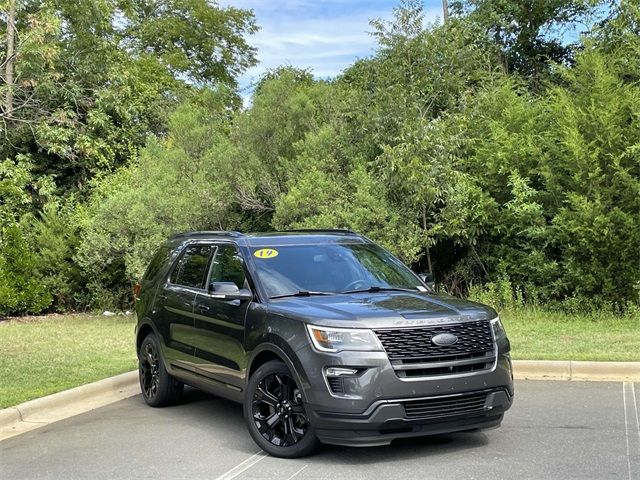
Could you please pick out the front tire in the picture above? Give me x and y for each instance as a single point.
(275, 414)
(159, 388)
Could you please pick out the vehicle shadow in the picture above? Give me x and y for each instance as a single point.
(207, 409)
(402, 449)
(202, 407)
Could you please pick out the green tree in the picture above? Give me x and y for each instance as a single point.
(618, 37)
(287, 106)
(330, 191)
(530, 32)
(418, 78)
(94, 78)
(595, 171)
(175, 185)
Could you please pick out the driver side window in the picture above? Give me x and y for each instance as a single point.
(228, 266)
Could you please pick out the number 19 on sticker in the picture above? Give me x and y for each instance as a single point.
(265, 253)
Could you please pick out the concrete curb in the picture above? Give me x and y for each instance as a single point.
(52, 408)
(43, 411)
(573, 370)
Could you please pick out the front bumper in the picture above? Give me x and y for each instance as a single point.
(387, 420)
(371, 410)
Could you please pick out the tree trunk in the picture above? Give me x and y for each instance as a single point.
(11, 35)
(445, 10)
(424, 228)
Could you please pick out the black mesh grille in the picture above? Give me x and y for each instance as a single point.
(415, 343)
(446, 406)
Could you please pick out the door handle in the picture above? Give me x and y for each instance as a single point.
(163, 297)
(202, 308)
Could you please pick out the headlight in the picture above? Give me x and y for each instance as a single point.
(327, 339)
(498, 329)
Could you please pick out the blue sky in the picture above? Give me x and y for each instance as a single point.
(323, 35)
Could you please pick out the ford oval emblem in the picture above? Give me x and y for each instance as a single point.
(444, 339)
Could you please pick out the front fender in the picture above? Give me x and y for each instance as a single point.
(278, 346)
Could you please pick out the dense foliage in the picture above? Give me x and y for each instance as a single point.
(487, 150)
(93, 78)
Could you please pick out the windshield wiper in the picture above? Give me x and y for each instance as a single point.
(374, 289)
(302, 293)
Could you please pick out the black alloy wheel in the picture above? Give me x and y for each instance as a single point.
(158, 387)
(149, 374)
(276, 415)
(278, 411)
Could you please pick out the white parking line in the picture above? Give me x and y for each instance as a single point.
(632, 435)
(296, 473)
(245, 465)
(626, 426)
(635, 409)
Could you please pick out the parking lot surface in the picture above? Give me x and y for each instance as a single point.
(556, 430)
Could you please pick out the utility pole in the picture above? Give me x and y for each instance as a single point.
(11, 35)
(445, 10)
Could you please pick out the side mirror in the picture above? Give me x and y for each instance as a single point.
(228, 291)
(427, 279)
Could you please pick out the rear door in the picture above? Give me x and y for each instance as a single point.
(177, 300)
(220, 323)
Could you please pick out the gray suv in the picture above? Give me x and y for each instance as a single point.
(323, 336)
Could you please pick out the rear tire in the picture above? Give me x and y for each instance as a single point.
(159, 388)
(275, 414)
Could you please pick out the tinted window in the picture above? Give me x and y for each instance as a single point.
(191, 269)
(330, 267)
(159, 259)
(227, 266)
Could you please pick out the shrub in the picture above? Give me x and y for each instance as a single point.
(501, 294)
(53, 235)
(20, 289)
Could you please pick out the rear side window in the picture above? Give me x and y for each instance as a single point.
(227, 266)
(191, 270)
(159, 259)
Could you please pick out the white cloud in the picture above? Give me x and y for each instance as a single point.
(325, 36)
(312, 42)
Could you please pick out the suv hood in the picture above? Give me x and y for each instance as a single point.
(380, 309)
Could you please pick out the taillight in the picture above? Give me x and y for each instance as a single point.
(136, 291)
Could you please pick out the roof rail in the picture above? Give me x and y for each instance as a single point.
(217, 233)
(321, 230)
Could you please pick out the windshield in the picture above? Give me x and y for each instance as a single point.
(329, 268)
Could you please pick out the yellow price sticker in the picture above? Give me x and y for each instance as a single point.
(265, 253)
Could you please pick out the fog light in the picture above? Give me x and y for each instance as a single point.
(340, 372)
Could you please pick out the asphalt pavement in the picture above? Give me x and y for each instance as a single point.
(555, 430)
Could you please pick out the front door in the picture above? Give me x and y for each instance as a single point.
(219, 323)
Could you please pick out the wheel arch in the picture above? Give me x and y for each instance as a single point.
(267, 352)
(144, 328)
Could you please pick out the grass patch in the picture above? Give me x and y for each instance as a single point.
(40, 356)
(537, 334)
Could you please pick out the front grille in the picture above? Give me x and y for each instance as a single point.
(411, 343)
(437, 407)
(413, 354)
